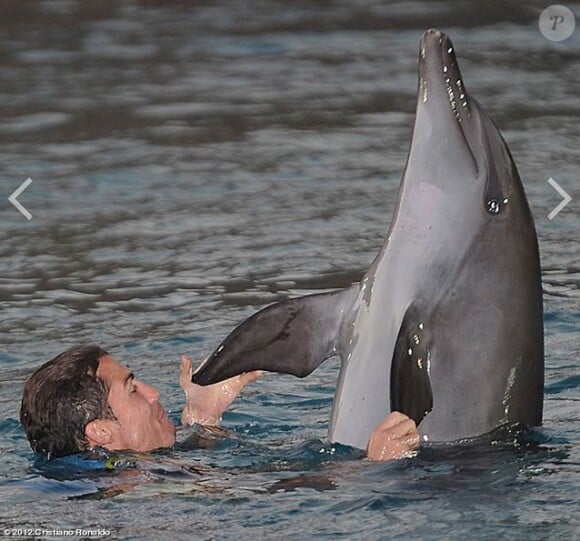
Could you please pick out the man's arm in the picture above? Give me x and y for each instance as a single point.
(395, 437)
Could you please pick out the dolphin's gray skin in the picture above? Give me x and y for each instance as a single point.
(446, 325)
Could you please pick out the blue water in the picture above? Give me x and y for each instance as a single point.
(193, 164)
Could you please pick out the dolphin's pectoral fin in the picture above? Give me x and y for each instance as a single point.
(291, 337)
(410, 386)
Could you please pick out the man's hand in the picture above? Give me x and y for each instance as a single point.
(395, 437)
(205, 405)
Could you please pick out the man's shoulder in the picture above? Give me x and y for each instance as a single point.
(81, 463)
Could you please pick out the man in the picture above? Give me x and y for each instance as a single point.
(84, 398)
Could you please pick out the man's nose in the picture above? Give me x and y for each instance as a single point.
(149, 392)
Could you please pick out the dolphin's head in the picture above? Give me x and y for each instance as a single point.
(464, 232)
(456, 145)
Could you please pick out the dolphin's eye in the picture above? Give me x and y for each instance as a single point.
(493, 206)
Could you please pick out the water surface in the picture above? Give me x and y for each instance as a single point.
(193, 164)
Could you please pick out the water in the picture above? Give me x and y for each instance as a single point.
(192, 165)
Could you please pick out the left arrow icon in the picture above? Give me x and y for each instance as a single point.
(16, 194)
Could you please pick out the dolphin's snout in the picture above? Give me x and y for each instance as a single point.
(431, 40)
(432, 33)
(431, 53)
(436, 51)
(440, 76)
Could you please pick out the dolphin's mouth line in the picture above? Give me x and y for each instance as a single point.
(451, 69)
(454, 87)
(438, 66)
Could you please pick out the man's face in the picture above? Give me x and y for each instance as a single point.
(141, 422)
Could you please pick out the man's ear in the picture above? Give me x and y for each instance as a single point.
(100, 432)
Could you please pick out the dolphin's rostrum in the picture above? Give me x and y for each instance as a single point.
(446, 325)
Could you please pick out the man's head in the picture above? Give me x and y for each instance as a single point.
(84, 398)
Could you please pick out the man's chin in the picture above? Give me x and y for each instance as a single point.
(166, 437)
(172, 436)
(165, 442)
(169, 432)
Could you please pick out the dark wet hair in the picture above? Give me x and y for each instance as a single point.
(61, 398)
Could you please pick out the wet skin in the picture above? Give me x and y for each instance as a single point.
(141, 423)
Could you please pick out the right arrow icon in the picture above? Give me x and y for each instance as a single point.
(564, 201)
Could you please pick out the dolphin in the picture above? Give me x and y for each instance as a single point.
(446, 325)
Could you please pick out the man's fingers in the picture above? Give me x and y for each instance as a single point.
(406, 434)
(185, 368)
(185, 372)
(405, 427)
(241, 380)
(395, 437)
(404, 431)
(413, 440)
(393, 419)
(185, 364)
(248, 377)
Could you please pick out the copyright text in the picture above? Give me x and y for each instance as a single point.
(55, 532)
